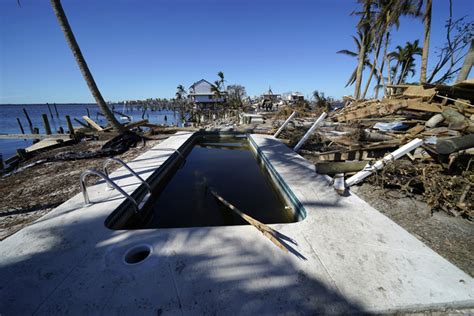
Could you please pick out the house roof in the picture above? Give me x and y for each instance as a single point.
(197, 82)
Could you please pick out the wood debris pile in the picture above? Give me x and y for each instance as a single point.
(440, 170)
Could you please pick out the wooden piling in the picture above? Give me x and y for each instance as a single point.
(20, 152)
(47, 127)
(56, 109)
(50, 112)
(69, 125)
(21, 126)
(29, 121)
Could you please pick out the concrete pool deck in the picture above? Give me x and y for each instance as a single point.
(345, 256)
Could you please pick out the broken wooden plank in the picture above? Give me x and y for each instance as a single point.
(378, 110)
(264, 229)
(31, 136)
(419, 92)
(340, 167)
(418, 105)
(130, 125)
(96, 126)
(415, 130)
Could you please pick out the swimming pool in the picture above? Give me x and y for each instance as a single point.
(226, 163)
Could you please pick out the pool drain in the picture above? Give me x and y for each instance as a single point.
(137, 254)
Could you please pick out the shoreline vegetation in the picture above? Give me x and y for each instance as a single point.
(428, 191)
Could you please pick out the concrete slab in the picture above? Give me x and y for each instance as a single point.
(344, 257)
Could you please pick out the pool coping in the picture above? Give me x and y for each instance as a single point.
(344, 256)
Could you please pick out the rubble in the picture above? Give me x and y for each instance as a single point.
(363, 132)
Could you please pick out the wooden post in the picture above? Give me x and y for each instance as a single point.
(20, 152)
(69, 125)
(56, 109)
(47, 128)
(29, 121)
(21, 127)
(50, 112)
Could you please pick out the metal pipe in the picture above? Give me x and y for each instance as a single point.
(284, 124)
(310, 131)
(120, 161)
(109, 181)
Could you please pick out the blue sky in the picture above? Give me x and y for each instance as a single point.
(138, 49)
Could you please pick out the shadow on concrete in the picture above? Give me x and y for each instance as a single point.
(79, 269)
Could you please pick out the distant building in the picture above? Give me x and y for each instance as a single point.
(201, 93)
(270, 96)
(295, 97)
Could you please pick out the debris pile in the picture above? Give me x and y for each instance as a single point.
(439, 123)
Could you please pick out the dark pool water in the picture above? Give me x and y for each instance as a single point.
(228, 166)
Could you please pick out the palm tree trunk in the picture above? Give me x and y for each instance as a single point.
(360, 67)
(426, 43)
(402, 74)
(372, 70)
(66, 28)
(467, 65)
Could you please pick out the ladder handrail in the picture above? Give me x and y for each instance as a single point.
(109, 181)
(120, 161)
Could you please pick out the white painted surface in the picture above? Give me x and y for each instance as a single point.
(346, 257)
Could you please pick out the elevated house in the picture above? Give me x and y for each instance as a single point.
(201, 94)
(295, 97)
(270, 96)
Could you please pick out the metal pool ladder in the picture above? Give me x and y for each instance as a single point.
(111, 184)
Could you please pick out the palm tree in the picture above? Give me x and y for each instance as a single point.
(358, 41)
(467, 65)
(216, 91)
(180, 92)
(405, 57)
(387, 15)
(220, 74)
(71, 40)
(363, 27)
(426, 42)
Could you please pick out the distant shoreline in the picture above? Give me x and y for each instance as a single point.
(27, 104)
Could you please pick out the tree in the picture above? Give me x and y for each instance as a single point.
(322, 102)
(81, 62)
(180, 92)
(387, 15)
(426, 41)
(220, 74)
(459, 34)
(236, 94)
(405, 57)
(216, 91)
(363, 27)
(467, 65)
(358, 41)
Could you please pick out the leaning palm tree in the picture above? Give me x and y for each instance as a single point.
(363, 26)
(358, 42)
(71, 40)
(426, 42)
